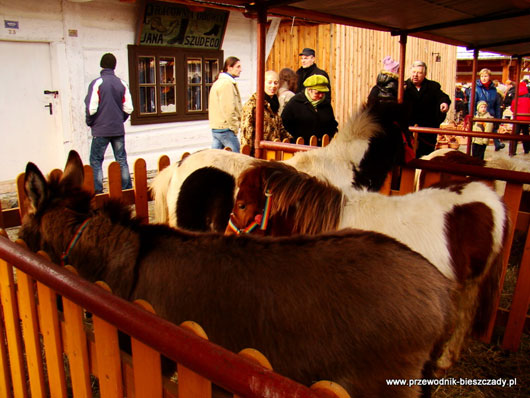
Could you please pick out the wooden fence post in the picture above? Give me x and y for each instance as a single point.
(76, 347)
(140, 190)
(163, 162)
(5, 380)
(191, 384)
(114, 180)
(147, 369)
(51, 338)
(21, 195)
(12, 328)
(107, 356)
(30, 331)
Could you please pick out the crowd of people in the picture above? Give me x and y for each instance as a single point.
(298, 104)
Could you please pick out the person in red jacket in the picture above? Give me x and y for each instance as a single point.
(523, 106)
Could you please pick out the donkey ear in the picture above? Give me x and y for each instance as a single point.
(35, 186)
(74, 173)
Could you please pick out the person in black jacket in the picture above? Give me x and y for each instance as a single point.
(308, 113)
(427, 104)
(386, 87)
(309, 68)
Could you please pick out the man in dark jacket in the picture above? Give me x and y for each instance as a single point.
(427, 104)
(308, 113)
(309, 68)
(108, 104)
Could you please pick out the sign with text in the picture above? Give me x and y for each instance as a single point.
(176, 25)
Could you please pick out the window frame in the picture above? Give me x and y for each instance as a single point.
(181, 56)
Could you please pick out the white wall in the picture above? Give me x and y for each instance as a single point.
(109, 26)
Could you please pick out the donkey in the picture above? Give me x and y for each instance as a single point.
(354, 307)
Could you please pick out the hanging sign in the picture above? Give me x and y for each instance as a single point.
(176, 25)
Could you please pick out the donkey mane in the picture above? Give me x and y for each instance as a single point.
(290, 187)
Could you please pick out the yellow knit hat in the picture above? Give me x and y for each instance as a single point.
(317, 82)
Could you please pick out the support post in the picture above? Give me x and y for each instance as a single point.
(260, 100)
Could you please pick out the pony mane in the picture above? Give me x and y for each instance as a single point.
(293, 191)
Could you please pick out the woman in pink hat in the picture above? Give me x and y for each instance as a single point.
(386, 88)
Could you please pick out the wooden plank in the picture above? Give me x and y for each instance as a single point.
(107, 356)
(21, 196)
(512, 198)
(313, 140)
(386, 188)
(406, 184)
(269, 154)
(2, 224)
(191, 384)
(245, 149)
(163, 162)
(88, 182)
(140, 190)
(330, 389)
(520, 301)
(431, 178)
(5, 380)
(146, 365)
(76, 347)
(114, 180)
(12, 327)
(30, 331)
(51, 339)
(11, 217)
(256, 357)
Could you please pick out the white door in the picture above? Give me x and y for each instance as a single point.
(28, 117)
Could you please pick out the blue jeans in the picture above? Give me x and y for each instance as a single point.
(97, 153)
(225, 138)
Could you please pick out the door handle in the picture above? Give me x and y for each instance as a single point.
(49, 106)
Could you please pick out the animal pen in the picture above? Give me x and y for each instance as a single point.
(47, 352)
(37, 337)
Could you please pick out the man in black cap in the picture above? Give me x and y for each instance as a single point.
(309, 68)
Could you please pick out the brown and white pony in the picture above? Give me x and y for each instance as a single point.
(460, 228)
(354, 307)
(361, 154)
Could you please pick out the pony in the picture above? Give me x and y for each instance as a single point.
(354, 307)
(361, 154)
(460, 228)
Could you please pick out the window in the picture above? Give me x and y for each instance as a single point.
(171, 84)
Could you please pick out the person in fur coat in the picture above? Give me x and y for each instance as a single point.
(272, 121)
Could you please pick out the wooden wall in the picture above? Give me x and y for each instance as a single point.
(352, 57)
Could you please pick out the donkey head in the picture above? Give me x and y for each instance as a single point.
(46, 218)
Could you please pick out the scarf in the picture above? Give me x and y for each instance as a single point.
(315, 102)
(273, 102)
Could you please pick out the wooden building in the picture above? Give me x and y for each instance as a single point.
(353, 58)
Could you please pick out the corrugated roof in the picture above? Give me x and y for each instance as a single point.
(500, 26)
